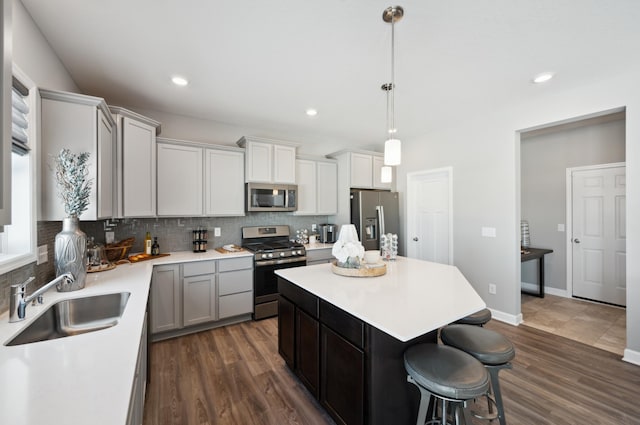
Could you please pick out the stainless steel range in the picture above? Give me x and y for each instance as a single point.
(272, 250)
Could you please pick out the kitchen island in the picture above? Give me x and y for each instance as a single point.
(344, 337)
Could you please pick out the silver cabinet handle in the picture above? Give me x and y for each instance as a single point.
(415, 239)
(576, 240)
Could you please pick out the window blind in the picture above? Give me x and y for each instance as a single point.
(19, 118)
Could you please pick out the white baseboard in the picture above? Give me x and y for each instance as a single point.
(532, 287)
(631, 356)
(510, 319)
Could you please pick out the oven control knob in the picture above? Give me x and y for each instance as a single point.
(270, 255)
(282, 254)
(264, 255)
(299, 252)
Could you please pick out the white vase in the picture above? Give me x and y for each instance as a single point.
(70, 252)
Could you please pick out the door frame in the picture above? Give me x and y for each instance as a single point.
(448, 171)
(569, 217)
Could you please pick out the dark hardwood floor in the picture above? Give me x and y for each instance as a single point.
(234, 375)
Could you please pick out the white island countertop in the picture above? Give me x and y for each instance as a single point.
(413, 298)
(87, 378)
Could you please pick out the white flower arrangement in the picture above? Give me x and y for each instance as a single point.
(347, 249)
(73, 186)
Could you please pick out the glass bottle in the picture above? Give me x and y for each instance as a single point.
(147, 243)
(155, 248)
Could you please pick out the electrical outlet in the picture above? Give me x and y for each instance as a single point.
(217, 232)
(43, 254)
(492, 288)
(109, 237)
(560, 227)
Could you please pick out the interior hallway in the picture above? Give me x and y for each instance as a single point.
(599, 325)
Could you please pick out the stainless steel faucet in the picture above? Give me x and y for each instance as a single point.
(18, 302)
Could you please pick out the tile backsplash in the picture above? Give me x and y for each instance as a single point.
(174, 234)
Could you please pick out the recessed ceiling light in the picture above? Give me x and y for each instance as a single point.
(179, 81)
(311, 112)
(542, 78)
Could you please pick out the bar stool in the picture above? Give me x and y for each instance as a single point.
(489, 347)
(445, 374)
(479, 318)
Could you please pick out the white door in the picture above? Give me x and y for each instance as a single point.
(599, 234)
(429, 216)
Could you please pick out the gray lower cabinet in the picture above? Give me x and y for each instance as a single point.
(166, 306)
(199, 292)
(197, 295)
(138, 390)
(319, 256)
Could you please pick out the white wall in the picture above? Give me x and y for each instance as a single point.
(484, 151)
(544, 159)
(34, 56)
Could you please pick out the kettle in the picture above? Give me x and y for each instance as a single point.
(328, 233)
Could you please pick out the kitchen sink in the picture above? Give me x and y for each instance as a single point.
(73, 317)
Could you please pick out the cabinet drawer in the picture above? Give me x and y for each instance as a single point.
(234, 305)
(351, 328)
(235, 264)
(303, 299)
(234, 282)
(319, 255)
(196, 268)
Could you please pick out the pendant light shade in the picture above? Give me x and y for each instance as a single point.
(392, 152)
(385, 174)
(393, 146)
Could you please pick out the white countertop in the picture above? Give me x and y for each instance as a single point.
(82, 379)
(413, 298)
(318, 245)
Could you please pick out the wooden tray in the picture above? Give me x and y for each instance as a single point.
(237, 248)
(378, 270)
(102, 268)
(144, 257)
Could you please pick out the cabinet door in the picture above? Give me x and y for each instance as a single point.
(179, 180)
(287, 331)
(308, 351)
(138, 169)
(361, 171)
(342, 378)
(106, 167)
(165, 298)
(378, 163)
(199, 305)
(224, 183)
(306, 179)
(284, 164)
(327, 188)
(259, 161)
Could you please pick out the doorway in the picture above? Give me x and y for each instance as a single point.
(430, 215)
(546, 153)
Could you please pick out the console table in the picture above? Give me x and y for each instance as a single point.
(536, 254)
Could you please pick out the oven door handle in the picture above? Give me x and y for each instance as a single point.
(277, 261)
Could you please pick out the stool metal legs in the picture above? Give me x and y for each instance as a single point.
(495, 388)
(459, 413)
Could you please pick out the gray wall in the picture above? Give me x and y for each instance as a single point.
(544, 159)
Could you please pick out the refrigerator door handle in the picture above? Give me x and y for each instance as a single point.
(380, 211)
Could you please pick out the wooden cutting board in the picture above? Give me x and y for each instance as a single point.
(143, 257)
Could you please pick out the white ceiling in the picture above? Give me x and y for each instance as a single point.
(262, 63)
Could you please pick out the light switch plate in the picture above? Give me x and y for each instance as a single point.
(109, 237)
(489, 232)
(216, 231)
(560, 227)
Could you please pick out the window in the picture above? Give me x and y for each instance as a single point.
(18, 240)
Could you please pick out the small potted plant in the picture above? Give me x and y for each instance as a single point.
(74, 189)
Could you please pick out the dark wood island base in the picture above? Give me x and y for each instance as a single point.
(353, 369)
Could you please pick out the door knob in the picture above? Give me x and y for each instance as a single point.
(576, 240)
(415, 239)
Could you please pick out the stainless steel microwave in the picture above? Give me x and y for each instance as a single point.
(271, 197)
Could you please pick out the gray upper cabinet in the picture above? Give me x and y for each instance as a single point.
(224, 182)
(136, 163)
(269, 161)
(180, 179)
(5, 116)
(317, 181)
(81, 124)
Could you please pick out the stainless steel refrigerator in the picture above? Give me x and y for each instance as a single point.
(374, 213)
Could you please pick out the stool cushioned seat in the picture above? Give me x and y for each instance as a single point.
(488, 346)
(446, 371)
(478, 318)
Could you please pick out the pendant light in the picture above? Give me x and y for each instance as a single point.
(392, 147)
